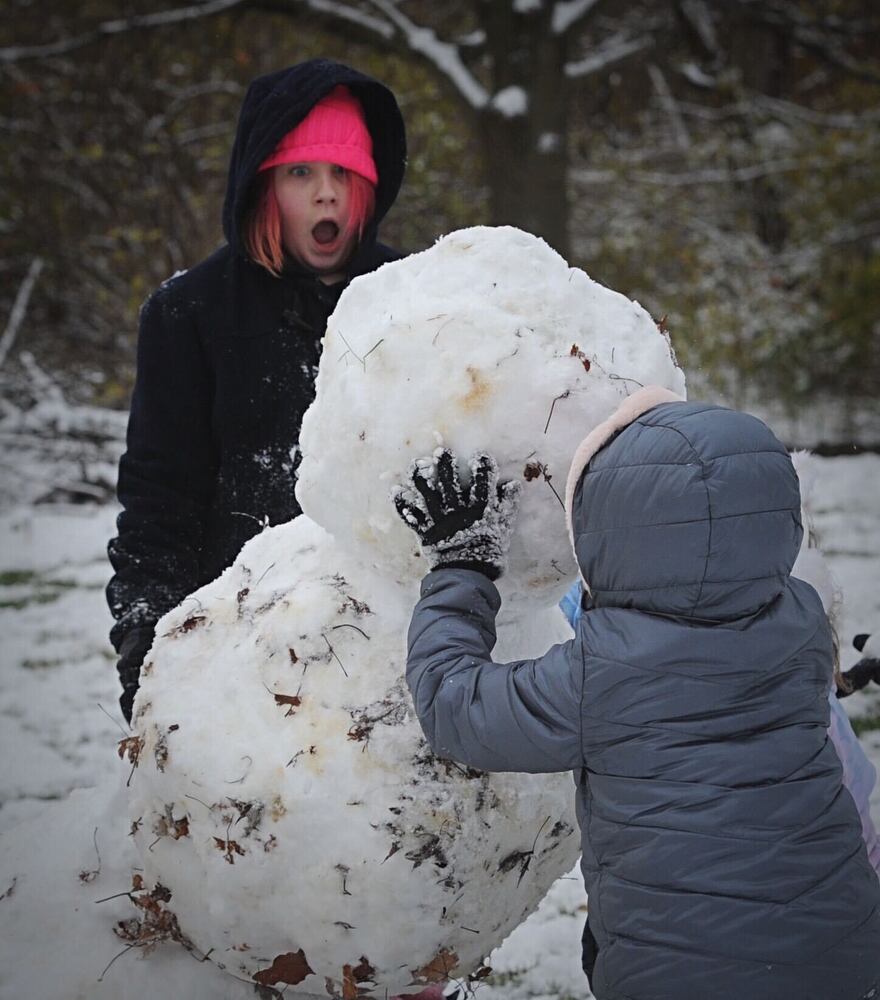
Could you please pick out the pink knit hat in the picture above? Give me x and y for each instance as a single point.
(334, 131)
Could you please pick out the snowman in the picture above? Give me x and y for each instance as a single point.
(292, 825)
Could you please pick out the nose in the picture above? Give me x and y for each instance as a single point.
(326, 191)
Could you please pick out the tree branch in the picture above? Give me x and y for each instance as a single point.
(787, 110)
(837, 56)
(333, 10)
(570, 14)
(697, 16)
(16, 53)
(820, 36)
(19, 307)
(788, 15)
(613, 51)
(670, 106)
(443, 56)
(719, 175)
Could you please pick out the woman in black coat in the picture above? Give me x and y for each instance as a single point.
(228, 351)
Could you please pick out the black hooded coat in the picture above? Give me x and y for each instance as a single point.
(227, 357)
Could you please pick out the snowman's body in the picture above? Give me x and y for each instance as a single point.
(284, 796)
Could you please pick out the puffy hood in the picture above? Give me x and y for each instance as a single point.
(684, 509)
(275, 103)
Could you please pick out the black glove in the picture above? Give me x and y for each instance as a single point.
(133, 649)
(865, 671)
(459, 526)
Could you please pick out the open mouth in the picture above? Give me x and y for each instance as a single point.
(325, 232)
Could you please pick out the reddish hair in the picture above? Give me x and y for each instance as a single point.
(263, 234)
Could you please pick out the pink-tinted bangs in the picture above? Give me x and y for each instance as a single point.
(263, 232)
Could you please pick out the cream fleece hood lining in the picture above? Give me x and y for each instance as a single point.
(630, 409)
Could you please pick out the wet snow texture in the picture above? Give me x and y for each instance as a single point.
(487, 339)
(57, 668)
(304, 776)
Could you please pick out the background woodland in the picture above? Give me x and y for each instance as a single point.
(718, 160)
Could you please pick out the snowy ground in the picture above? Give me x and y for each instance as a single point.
(58, 698)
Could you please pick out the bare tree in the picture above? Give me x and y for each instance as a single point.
(716, 158)
(517, 66)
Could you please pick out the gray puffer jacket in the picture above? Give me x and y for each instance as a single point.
(722, 856)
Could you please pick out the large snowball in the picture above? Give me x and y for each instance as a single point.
(286, 800)
(486, 341)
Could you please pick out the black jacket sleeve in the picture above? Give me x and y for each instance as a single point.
(168, 472)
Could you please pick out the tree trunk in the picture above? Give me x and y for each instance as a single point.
(761, 54)
(526, 149)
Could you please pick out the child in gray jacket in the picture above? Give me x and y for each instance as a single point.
(722, 856)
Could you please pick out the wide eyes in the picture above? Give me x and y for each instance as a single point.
(305, 170)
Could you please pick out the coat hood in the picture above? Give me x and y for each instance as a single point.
(684, 509)
(275, 103)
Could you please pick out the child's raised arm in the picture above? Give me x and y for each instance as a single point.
(522, 716)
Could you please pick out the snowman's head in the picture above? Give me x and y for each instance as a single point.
(488, 341)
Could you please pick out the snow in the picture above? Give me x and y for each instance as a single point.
(444, 55)
(696, 75)
(304, 775)
(611, 51)
(55, 739)
(262, 725)
(488, 336)
(511, 101)
(527, 6)
(549, 142)
(566, 12)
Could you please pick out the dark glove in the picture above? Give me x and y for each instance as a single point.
(467, 527)
(865, 671)
(132, 651)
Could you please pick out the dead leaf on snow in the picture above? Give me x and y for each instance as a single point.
(130, 747)
(438, 969)
(292, 700)
(229, 847)
(291, 967)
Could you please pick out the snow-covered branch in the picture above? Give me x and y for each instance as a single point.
(859, 120)
(19, 307)
(667, 99)
(60, 46)
(837, 56)
(689, 178)
(719, 175)
(54, 450)
(613, 51)
(569, 13)
(785, 14)
(444, 56)
(179, 97)
(696, 76)
(820, 35)
(785, 111)
(697, 15)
